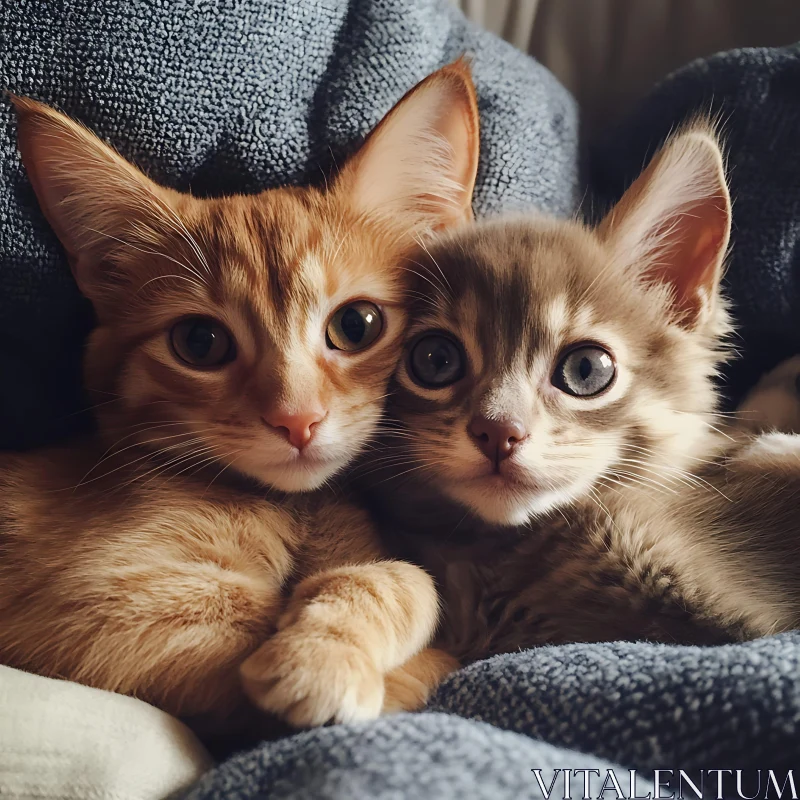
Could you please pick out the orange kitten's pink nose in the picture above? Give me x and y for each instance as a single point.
(297, 429)
(496, 438)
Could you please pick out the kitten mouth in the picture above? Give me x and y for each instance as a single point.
(504, 473)
(505, 480)
(300, 473)
(313, 460)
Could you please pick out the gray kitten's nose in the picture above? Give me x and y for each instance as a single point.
(496, 438)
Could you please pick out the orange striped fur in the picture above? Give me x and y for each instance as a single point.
(170, 555)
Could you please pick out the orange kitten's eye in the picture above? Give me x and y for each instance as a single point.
(202, 342)
(354, 326)
(585, 371)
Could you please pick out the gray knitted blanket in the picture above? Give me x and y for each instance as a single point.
(557, 709)
(236, 95)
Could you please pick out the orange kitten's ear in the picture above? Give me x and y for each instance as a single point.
(674, 222)
(417, 168)
(93, 199)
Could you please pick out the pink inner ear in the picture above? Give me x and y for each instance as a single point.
(690, 258)
(459, 129)
(417, 168)
(672, 225)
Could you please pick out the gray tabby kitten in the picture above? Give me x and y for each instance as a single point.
(554, 456)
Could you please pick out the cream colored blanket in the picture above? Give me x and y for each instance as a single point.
(63, 741)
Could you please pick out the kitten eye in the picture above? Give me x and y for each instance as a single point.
(585, 371)
(436, 361)
(202, 342)
(354, 326)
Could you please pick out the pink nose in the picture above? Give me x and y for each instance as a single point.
(496, 438)
(297, 429)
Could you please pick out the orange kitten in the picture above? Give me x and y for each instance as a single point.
(242, 343)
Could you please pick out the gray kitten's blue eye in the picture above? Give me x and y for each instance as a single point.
(585, 371)
(436, 361)
(202, 342)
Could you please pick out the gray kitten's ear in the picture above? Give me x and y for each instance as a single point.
(673, 224)
(416, 170)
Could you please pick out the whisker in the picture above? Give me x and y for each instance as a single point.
(439, 289)
(704, 422)
(128, 464)
(113, 451)
(408, 471)
(686, 478)
(236, 453)
(167, 466)
(422, 244)
(146, 251)
(192, 281)
(643, 480)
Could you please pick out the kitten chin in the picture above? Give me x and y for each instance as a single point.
(506, 502)
(302, 474)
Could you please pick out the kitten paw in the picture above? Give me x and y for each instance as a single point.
(308, 680)
(408, 687)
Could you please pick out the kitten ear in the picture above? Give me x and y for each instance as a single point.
(92, 197)
(417, 168)
(673, 224)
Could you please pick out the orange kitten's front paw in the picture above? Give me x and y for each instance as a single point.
(309, 680)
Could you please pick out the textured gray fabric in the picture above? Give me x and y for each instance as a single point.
(648, 706)
(236, 95)
(415, 757)
(644, 706)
